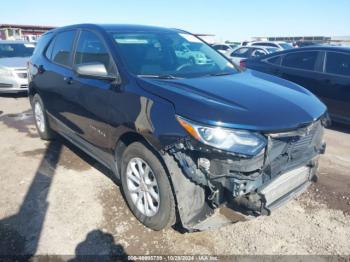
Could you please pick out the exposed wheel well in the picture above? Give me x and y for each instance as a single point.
(124, 141)
(31, 93)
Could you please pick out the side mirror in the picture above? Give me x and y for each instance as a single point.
(94, 70)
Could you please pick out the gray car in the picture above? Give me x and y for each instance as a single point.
(14, 56)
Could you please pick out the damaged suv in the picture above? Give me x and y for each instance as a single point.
(187, 140)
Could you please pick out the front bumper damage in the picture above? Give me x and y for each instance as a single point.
(247, 186)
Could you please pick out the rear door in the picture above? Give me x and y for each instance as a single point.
(302, 67)
(335, 84)
(56, 79)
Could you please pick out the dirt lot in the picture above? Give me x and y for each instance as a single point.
(54, 199)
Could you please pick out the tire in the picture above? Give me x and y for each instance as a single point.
(40, 119)
(159, 214)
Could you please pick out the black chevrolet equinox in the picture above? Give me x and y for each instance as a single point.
(187, 133)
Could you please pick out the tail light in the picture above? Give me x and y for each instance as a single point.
(242, 64)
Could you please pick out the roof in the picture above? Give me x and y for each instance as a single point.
(121, 28)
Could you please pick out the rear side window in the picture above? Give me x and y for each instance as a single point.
(42, 42)
(301, 60)
(62, 48)
(338, 63)
(91, 49)
(258, 52)
(275, 60)
(223, 47)
(241, 52)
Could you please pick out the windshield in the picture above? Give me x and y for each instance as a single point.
(170, 54)
(16, 50)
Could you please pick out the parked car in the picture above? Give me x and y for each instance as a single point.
(14, 56)
(240, 54)
(277, 44)
(234, 45)
(184, 139)
(192, 53)
(325, 71)
(222, 48)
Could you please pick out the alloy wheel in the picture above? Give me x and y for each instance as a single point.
(143, 187)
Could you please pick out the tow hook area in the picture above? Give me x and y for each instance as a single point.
(253, 204)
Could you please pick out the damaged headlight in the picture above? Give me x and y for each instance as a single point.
(233, 140)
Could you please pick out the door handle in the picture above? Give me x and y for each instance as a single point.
(68, 80)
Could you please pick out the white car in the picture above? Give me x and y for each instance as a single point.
(242, 53)
(277, 44)
(14, 56)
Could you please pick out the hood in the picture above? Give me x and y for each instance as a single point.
(14, 62)
(248, 100)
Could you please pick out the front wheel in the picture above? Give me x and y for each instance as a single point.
(147, 188)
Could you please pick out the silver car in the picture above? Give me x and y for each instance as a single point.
(240, 54)
(14, 56)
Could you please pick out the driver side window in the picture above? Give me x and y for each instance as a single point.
(91, 49)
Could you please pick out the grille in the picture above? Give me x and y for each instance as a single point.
(5, 85)
(299, 139)
(22, 75)
(290, 149)
(24, 86)
(303, 142)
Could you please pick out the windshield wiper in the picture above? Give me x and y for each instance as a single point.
(160, 76)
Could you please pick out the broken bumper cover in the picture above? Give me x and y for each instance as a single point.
(275, 194)
(251, 186)
(286, 186)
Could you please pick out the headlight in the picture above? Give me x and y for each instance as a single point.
(233, 140)
(5, 72)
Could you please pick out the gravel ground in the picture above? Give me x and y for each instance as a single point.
(55, 199)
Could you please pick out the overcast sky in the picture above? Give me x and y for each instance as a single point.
(228, 19)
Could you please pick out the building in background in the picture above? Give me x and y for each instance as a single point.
(336, 40)
(320, 39)
(343, 40)
(22, 32)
